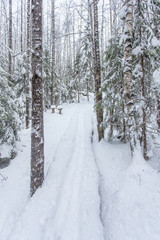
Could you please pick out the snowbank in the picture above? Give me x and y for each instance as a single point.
(130, 192)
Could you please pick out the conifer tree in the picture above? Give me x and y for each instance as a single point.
(113, 87)
(9, 125)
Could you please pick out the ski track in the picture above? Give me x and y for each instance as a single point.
(67, 207)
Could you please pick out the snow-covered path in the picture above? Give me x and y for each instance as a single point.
(67, 207)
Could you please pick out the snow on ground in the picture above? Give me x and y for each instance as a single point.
(92, 191)
(130, 193)
(67, 207)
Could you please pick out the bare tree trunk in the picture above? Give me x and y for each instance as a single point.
(128, 85)
(92, 28)
(74, 41)
(53, 52)
(144, 136)
(115, 18)
(158, 109)
(37, 135)
(156, 23)
(79, 71)
(124, 121)
(124, 124)
(102, 36)
(28, 67)
(21, 25)
(97, 71)
(111, 28)
(17, 33)
(111, 124)
(0, 21)
(88, 89)
(10, 42)
(79, 89)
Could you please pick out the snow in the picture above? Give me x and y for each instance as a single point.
(5, 150)
(155, 42)
(68, 205)
(156, 76)
(23, 71)
(130, 193)
(137, 50)
(53, 106)
(60, 107)
(92, 191)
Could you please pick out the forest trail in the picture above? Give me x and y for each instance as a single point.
(67, 207)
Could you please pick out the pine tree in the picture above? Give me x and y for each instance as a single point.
(47, 78)
(87, 66)
(9, 125)
(113, 88)
(143, 72)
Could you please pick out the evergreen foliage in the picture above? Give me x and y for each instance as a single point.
(8, 114)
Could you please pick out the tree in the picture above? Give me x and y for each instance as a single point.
(155, 9)
(27, 85)
(97, 75)
(128, 81)
(143, 73)
(8, 114)
(37, 135)
(53, 53)
(47, 78)
(113, 87)
(10, 42)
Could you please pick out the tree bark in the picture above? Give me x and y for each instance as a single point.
(21, 25)
(53, 52)
(37, 135)
(128, 84)
(28, 67)
(144, 135)
(10, 42)
(97, 74)
(110, 13)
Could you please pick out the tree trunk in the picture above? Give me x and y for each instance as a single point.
(111, 125)
(28, 67)
(128, 85)
(88, 89)
(53, 52)
(97, 74)
(110, 12)
(92, 28)
(158, 109)
(10, 42)
(21, 25)
(37, 135)
(144, 136)
(156, 23)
